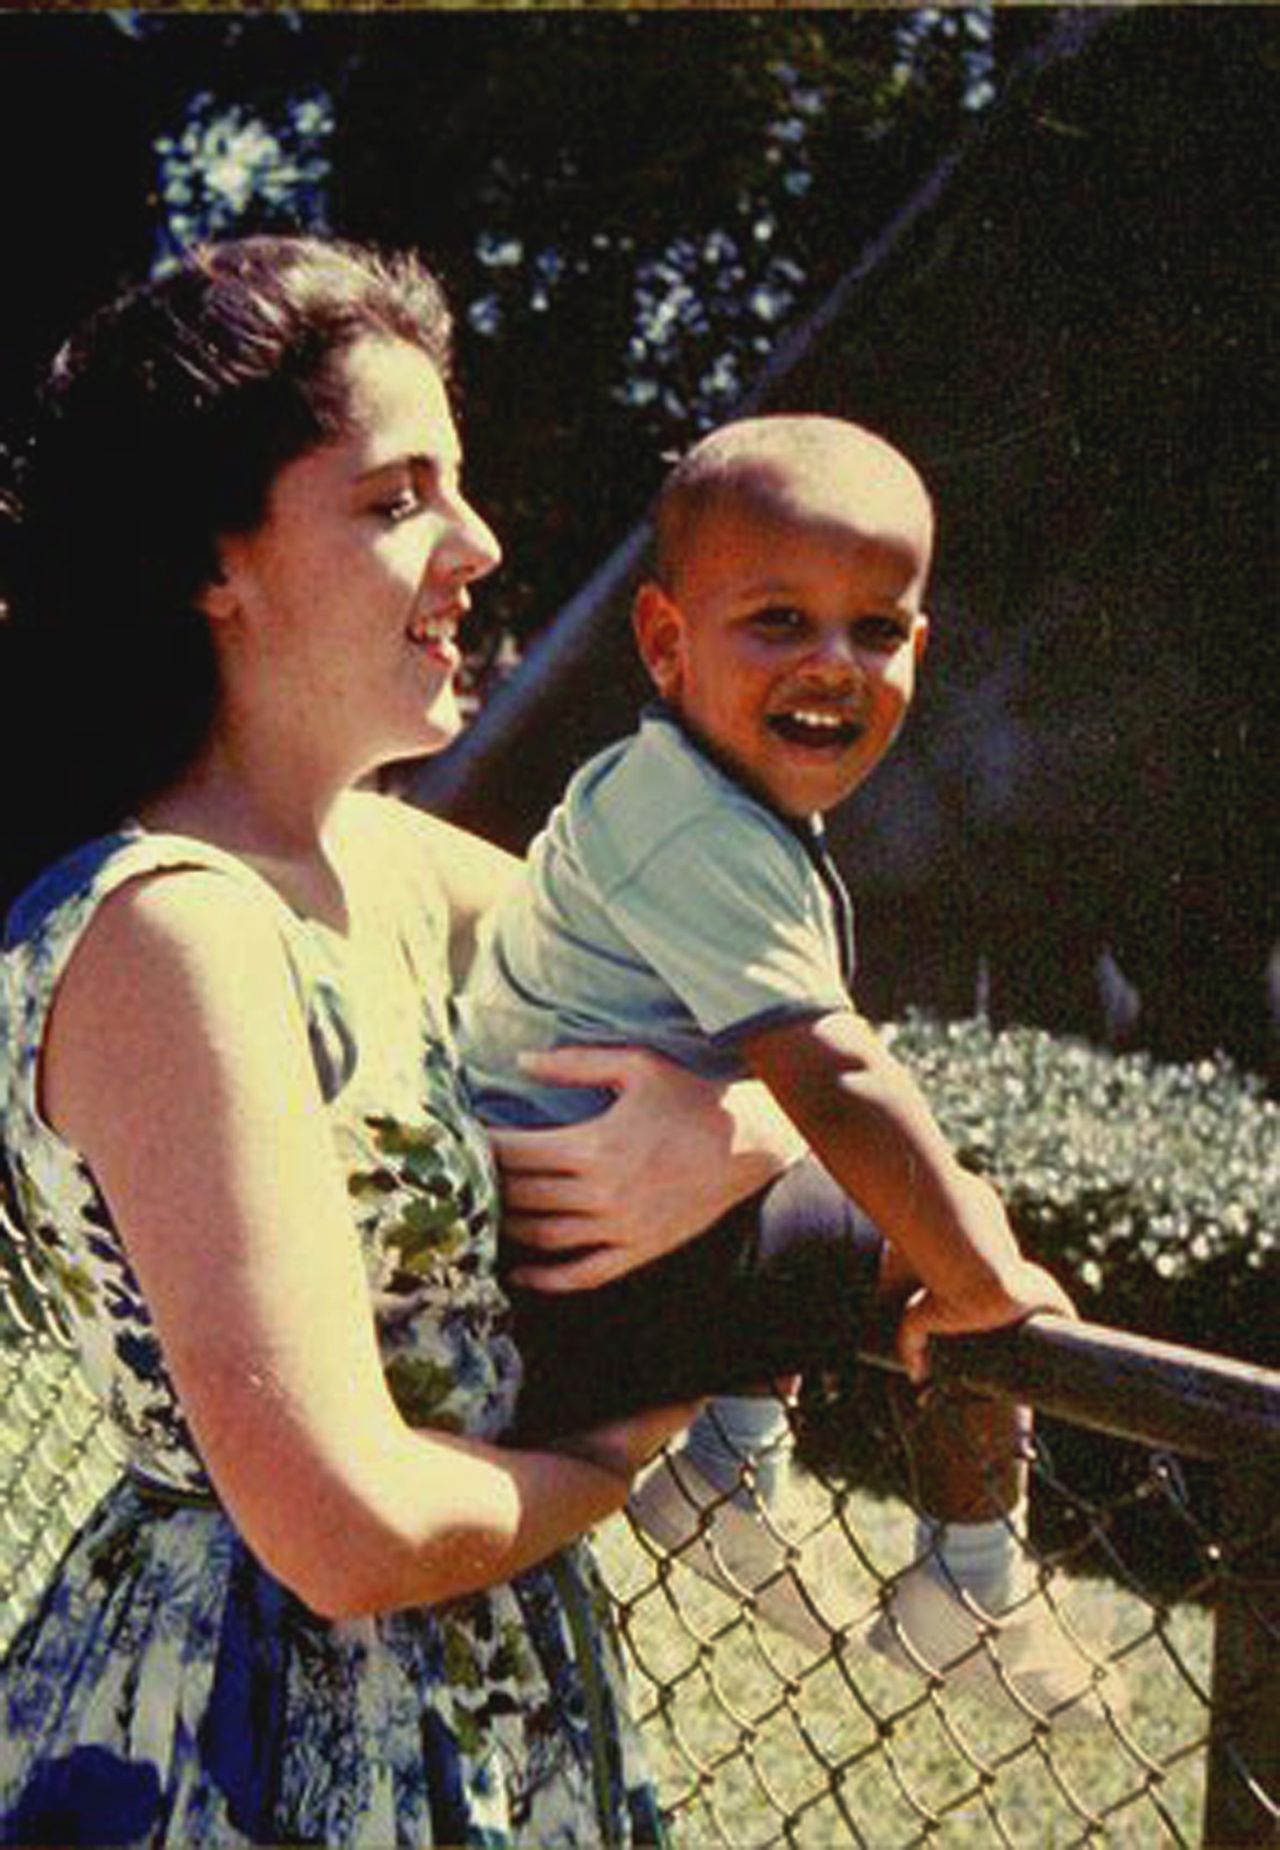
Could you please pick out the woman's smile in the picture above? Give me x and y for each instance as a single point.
(435, 634)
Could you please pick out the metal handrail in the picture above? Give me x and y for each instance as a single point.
(1158, 1394)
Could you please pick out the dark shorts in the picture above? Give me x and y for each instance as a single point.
(784, 1283)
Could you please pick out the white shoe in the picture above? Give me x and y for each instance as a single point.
(735, 1548)
(1023, 1662)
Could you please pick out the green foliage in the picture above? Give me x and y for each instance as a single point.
(629, 207)
(1152, 1191)
(629, 212)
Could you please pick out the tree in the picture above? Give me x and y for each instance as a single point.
(628, 207)
(631, 208)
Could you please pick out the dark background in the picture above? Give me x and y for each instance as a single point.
(1073, 337)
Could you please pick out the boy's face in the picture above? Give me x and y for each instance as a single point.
(789, 642)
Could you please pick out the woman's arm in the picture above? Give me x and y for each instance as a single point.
(176, 1062)
(472, 874)
(667, 1160)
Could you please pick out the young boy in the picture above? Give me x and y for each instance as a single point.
(680, 898)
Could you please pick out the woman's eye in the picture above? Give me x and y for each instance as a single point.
(400, 506)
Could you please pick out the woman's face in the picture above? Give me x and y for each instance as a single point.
(346, 601)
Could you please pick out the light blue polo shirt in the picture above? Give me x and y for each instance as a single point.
(662, 906)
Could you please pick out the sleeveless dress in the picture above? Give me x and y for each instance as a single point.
(166, 1689)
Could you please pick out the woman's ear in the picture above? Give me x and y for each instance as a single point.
(920, 637)
(658, 623)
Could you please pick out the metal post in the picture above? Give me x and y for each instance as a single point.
(1242, 1797)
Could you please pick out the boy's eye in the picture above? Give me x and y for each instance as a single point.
(780, 620)
(879, 632)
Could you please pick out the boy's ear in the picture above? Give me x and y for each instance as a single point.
(920, 639)
(217, 597)
(659, 632)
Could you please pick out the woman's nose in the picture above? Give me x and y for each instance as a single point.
(472, 549)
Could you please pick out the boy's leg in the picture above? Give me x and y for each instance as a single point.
(741, 1444)
(785, 1282)
(971, 1606)
(965, 1454)
(799, 1289)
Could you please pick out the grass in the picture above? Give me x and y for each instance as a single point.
(753, 1741)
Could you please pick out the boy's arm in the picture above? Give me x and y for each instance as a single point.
(866, 1119)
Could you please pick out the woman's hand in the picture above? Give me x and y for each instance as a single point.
(625, 1446)
(666, 1160)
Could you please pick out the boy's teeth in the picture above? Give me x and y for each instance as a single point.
(806, 718)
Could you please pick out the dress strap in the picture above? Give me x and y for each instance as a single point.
(48, 920)
(72, 889)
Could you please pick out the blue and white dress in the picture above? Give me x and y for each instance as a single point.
(167, 1690)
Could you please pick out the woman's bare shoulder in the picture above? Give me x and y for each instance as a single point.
(173, 966)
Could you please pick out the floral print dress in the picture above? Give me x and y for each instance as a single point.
(167, 1690)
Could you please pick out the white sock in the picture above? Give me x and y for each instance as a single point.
(738, 1437)
(986, 1560)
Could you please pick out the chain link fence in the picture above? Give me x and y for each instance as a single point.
(1158, 1558)
(1162, 1578)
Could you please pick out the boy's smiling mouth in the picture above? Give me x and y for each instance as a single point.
(816, 728)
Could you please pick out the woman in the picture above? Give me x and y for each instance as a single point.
(326, 1604)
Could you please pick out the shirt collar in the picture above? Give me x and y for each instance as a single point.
(811, 828)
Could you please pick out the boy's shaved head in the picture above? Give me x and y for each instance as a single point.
(763, 465)
(786, 618)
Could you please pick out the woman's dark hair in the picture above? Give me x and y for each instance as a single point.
(161, 427)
